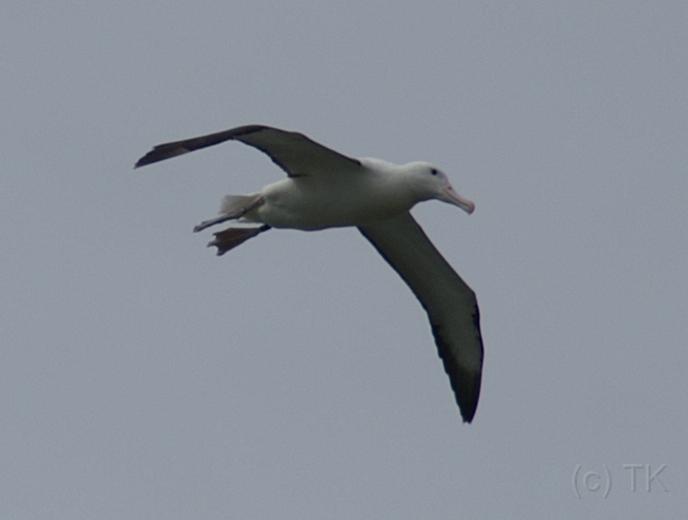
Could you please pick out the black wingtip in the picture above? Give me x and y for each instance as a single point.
(173, 149)
(466, 387)
(464, 380)
(143, 161)
(146, 159)
(160, 153)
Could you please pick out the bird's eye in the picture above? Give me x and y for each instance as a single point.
(433, 171)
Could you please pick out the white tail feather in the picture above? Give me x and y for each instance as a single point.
(233, 204)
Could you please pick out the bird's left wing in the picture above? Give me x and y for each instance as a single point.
(451, 305)
(295, 153)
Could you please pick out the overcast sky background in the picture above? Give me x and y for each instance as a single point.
(143, 377)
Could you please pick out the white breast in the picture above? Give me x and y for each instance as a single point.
(311, 203)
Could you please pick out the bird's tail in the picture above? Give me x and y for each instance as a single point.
(238, 204)
(233, 207)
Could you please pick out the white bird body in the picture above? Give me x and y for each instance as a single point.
(347, 198)
(326, 189)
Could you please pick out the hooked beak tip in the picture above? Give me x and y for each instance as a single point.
(452, 197)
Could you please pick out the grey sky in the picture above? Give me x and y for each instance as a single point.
(142, 377)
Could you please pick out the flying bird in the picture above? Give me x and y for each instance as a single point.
(325, 189)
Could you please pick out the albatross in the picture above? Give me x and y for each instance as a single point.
(326, 189)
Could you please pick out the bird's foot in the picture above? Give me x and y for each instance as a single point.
(232, 237)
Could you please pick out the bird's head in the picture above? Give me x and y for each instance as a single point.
(429, 182)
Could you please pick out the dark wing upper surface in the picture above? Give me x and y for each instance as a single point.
(295, 153)
(451, 305)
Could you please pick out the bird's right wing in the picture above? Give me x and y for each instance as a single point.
(295, 153)
(451, 305)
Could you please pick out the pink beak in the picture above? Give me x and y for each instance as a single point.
(450, 196)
